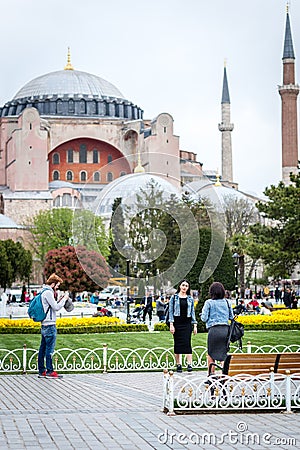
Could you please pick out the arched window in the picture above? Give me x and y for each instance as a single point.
(109, 159)
(82, 154)
(66, 200)
(56, 175)
(69, 175)
(71, 106)
(96, 176)
(59, 106)
(56, 202)
(109, 176)
(95, 156)
(82, 176)
(70, 155)
(122, 174)
(93, 107)
(55, 158)
(82, 106)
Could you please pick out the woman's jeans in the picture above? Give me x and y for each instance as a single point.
(47, 348)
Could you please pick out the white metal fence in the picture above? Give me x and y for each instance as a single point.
(106, 359)
(187, 394)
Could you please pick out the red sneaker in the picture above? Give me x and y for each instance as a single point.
(53, 375)
(43, 374)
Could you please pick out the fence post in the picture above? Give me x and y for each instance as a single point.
(104, 358)
(24, 359)
(171, 394)
(165, 387)
(288, 400)
(249, 347)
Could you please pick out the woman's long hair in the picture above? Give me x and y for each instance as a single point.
(188, 290)
(216, 291)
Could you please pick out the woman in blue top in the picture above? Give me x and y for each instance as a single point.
(182, 322)
(215, 313)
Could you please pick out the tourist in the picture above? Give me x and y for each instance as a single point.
(48, 326)
(182, 323)
(215, 313)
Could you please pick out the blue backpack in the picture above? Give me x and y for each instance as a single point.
(36, 310)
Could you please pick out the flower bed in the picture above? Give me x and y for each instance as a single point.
(283, 319)
(72, 325)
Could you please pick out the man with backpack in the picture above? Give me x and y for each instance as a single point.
(48, 326)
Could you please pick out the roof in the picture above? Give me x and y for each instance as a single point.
(6, 222)
(288, 50)
(68, 82)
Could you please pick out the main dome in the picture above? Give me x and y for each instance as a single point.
(71, 92)
(71, 83)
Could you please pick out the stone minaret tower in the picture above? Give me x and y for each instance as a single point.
(226, 128)
(288, 92)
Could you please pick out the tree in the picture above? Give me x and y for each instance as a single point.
(81, 269)
(117, 241)
(239, 214)
(223, 271)
(278, 239)
(15, 263)
(59, 227)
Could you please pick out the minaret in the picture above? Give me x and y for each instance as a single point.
(288, 92)
(226, 128)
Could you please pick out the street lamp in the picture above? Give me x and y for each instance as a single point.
(127, 250)
(128, 290)
(255, 277)
(236, 257)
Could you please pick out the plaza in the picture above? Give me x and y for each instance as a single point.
(124, 411)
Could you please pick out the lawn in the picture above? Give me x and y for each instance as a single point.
(147, 340)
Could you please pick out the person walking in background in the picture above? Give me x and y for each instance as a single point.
(160, 308)
(148, 308)
(216, 313)
(182, 323)
(48, 326)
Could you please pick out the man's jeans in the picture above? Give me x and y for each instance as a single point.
(47, 348)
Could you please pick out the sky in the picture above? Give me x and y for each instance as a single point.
(168, 56)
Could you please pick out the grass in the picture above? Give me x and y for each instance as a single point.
(147, 340)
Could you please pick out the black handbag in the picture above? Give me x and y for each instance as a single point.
(236, 331)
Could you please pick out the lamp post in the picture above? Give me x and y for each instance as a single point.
(236, 257)
(128, 290)
(127, 250)
(255, 277)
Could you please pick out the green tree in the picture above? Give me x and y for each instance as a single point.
(81, 269)
(59, 227)
(15, 263)
(278, 239)
(117, 241)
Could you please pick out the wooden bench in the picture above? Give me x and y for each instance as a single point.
(261, 363)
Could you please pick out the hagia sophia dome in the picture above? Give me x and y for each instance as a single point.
(69, 82)
(72, 92)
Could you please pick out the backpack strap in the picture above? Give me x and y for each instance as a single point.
(43, 290)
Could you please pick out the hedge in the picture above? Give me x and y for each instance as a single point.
(80, 329)
(274, 326)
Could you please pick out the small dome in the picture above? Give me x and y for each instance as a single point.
(7, 223)
(127, 187)
(68, 82)
(215, 194)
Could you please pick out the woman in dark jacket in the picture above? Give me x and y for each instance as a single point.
(182, 323)
(215, 313)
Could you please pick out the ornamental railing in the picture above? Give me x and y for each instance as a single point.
(106, 359)
(195, 394)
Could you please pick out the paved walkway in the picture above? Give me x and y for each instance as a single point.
(123, 411)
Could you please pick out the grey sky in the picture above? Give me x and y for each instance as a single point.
(168, 56)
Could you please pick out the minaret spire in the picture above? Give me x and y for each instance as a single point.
(289, 92)
(226, 128)
(69, 66)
